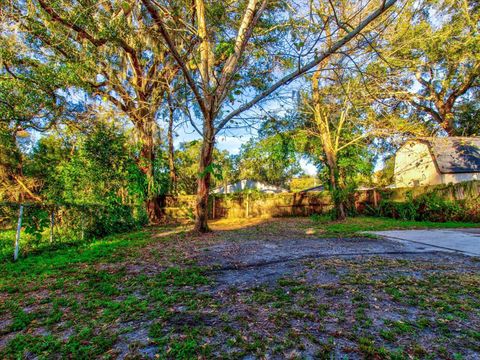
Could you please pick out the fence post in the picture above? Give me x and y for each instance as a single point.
(82, 224)
(213, 207)
(17, 239)
(52, 223)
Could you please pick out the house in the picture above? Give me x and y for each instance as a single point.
(431, 161)
(243, 185)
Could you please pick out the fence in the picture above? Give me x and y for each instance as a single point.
(462, 191)
(252, 204)
(46, 224)
(240, 205)
(31, 226)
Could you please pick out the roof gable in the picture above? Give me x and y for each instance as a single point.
(455, 154)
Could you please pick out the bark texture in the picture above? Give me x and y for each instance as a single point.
(204, 178)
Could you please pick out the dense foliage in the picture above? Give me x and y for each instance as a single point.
(88, 180)
(430, 207)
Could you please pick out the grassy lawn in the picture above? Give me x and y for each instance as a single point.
(354, 226)
(7, 239)
(147, 294)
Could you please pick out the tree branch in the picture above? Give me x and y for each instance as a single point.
(171, 46)
(428, 110)
(245, 31)
(82, 32)
(467, 84)
(302, 70)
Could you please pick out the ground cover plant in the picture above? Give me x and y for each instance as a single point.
(239, 292)
(355, 226)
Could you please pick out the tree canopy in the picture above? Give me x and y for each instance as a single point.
(123, 102)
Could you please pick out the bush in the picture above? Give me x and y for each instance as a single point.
(430, 207)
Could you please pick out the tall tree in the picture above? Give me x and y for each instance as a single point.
(343, 118)
(110, 48)
(431, 60)
(215, 69)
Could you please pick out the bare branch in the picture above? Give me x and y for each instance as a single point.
(318, 59)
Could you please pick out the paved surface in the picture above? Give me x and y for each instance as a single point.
(465, 241)
(249, 263)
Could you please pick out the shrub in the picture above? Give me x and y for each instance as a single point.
(430, 207)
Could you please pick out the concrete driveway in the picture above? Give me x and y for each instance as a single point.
(465, 241)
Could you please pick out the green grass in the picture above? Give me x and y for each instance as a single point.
(95, 292)
(53, 262)
(354, 226)
(90, 301)
(30, 245)
(7, 241)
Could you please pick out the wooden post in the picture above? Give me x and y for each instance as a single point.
(19, 229)
(82, 233)
(52, 223)
(213, 207)
(82, 225)
(375, 202)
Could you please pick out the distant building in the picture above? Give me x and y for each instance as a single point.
(431, 161)
(243, 185)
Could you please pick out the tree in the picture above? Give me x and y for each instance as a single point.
(28, 102)
(341, 117)
(329, 120)
(467, 116)
(431, 61)
(90, 172)
(272, 160)
(109, 48)
(186, 161)
(220, 62)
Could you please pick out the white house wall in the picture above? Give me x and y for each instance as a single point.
(414, 166)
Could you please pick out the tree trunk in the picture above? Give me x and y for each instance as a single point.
(153, 203)
(335, 186)
(329, 149)
(155, 209)
(171, 152)
(204, 177)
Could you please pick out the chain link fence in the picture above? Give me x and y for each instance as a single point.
(32, 227)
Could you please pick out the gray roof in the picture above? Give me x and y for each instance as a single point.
(455, 154)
